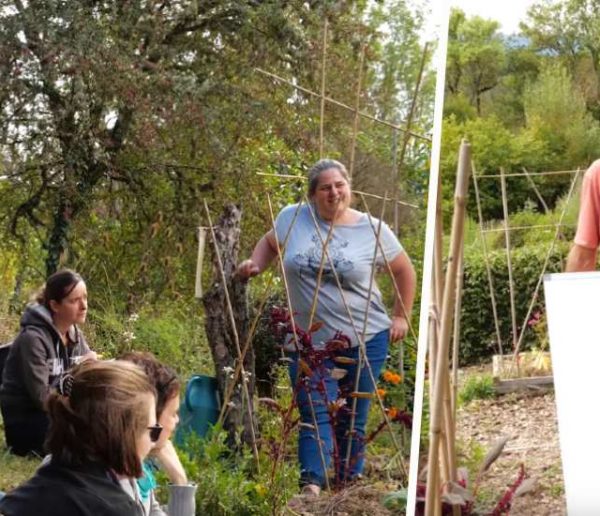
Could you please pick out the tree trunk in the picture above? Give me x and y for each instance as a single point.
(57, 241)
(219, 330)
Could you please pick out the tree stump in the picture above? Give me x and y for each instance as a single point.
(219, 330)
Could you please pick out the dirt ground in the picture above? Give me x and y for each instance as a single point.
(358, 500)
(530, 420)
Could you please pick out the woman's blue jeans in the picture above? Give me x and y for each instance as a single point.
(334, 430)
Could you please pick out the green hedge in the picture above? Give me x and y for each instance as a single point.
(478, 335)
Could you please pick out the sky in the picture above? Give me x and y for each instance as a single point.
(508, 12)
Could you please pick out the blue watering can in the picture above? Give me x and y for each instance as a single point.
(199, 408)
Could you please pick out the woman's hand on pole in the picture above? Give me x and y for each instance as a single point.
(398, 329)
(247, 269)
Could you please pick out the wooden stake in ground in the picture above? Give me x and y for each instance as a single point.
(323, 77)
(406, 138)
(456, 338)
(486, 259)
(441, 370)
(201, 243)
(511, 288)
(545, 265)
(356, 109)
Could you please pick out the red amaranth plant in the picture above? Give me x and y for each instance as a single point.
(312, 361)
(504, 504)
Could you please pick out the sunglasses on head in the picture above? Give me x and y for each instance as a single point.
(155, 431)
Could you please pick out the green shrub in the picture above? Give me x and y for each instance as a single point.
(477, 388)
(478, 335)
(174, 335)
(230, 484)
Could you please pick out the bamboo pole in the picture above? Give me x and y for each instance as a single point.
(280, 252)
(444, 472)
(342, 105)
(323, 80)
(389, 269)
(437, 285)
(511, 288)
(358, 192)
(521, 174)
(456, 339)
(450, 436)
(361, 343)
(533, 226)
(406, 138)
(201, 244)
(437, 412)
(535, 189)
(488, 268)
(545, 265)
(364, 331)
(356, 109)
(395, 177)
(236, 337)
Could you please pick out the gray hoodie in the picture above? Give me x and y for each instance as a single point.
(37, 357)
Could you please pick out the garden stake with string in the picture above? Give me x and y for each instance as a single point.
(486, 259)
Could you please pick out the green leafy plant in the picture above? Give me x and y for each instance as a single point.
(477, 388)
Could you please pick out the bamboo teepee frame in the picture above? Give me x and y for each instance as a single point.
(441, 472)
(326, 258)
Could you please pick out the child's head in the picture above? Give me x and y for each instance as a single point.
(167, 387)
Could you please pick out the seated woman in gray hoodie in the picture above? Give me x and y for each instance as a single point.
(181, 493)
(48, 344)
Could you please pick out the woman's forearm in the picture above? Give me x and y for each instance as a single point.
(406, 282)
(264, 252)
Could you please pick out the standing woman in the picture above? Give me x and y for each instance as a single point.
(48, 344)
(351, 250)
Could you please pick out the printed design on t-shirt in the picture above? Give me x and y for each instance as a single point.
(309, 262)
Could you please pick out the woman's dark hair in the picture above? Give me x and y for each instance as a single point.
(102, 416)
(321, 166)
(58, 286)
(163, 378)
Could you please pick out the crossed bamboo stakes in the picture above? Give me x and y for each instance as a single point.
(363, 361)
(442, 473)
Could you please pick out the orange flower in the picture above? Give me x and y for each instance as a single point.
(392, 378)
(381, 392)
(387, 375)
(393, 412)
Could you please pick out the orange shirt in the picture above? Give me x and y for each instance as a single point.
(588, 226)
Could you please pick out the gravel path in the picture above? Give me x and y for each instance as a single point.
(531, 423)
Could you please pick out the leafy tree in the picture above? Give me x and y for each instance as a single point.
(570, 30)
(476, 56)
(87, 86)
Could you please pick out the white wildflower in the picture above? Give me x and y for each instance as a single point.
(128, 336)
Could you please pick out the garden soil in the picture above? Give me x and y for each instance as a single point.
(531, 423)
(357, 500)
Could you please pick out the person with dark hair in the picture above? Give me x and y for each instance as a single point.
(332, 286)
(48, 344)
(102, 426)
(181, 493)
